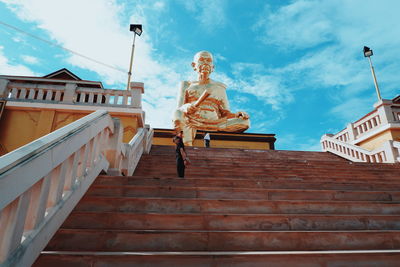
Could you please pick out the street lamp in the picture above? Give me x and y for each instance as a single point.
(368, 53)
(137, 30)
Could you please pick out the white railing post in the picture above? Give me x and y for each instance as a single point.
(137, 89)
(134, 150)
(396, 147)
(22, 94)
(390, 151)
(14, 227)
(3, 87)
(31, 94)
(148, 139)
(113, 152)
(69, 93)
(351, 132)
(385, 111)
(40, 194)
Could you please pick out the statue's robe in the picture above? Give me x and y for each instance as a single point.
(213, 114)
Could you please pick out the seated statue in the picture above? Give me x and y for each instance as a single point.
(203, 104)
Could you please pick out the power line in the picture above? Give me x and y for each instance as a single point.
(60, 46)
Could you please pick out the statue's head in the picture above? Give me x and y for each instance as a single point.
(203, 62)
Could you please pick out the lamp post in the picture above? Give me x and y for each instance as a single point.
(368, 53)
(137, 30)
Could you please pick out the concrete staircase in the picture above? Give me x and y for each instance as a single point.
(236, 208)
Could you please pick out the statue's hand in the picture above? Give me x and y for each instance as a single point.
(188, 108)
(242, 114)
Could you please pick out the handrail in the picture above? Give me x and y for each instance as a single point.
(134, 151)
(41, 182)
(149, 141)
(139, 144)
(21, 154)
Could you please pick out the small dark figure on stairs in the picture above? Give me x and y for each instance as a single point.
(181, 157)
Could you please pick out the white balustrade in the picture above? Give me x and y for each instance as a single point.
(103, 96)
(367, 123)
(387, 153)
(342, 135)
(41, 182)
(26, 91)
(385, 112)
(81, 95)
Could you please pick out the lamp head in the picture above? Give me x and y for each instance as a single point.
(136, 28)
(367, 51)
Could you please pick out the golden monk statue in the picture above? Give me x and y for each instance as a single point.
(203, 104)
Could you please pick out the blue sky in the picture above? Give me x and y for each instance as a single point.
(296, 67)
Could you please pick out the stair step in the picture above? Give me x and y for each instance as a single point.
(217, 173)
(236, 207)
(270, 222)
(387, 258)
(242, 193)
(294, 183)
(174, 205)
(157, 240)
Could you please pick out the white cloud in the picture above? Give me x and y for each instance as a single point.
(241, 100)
(159, 5)
(95, 30)
(7, 68)
(209, 13)
(301, 24)
(18, 39)
(30, 59)
(353, 109)
(256, 80)
(336, 31)
(218, 57)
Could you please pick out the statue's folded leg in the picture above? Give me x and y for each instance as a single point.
(235, 125)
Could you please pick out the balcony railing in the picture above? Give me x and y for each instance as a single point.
(72, 94)
(102, 96)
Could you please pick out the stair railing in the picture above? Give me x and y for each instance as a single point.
(388, 153)
(41, 182)
(149, 140)
(139, 144)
